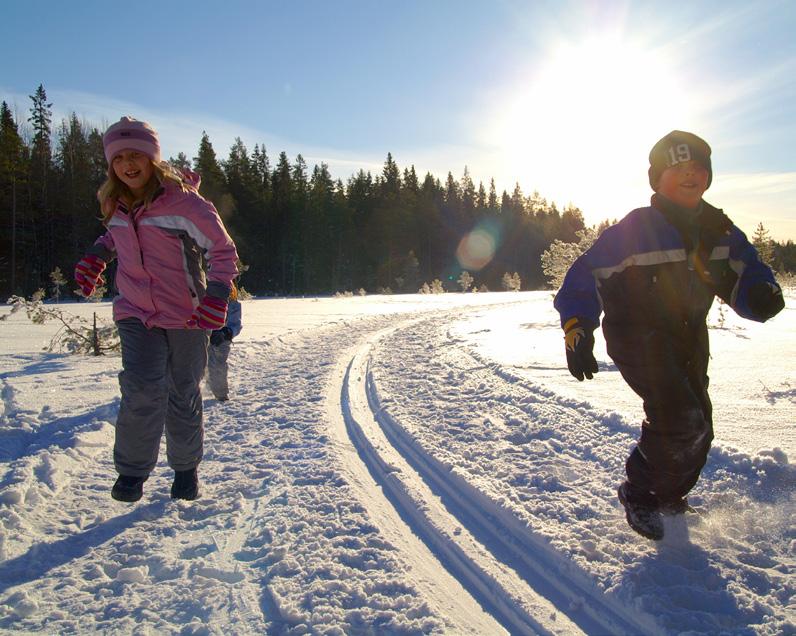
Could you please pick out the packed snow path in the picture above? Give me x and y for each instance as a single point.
(377, 476)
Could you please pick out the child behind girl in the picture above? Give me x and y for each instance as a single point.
(158, 229)
(220, 345)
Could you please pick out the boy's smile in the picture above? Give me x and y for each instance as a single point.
(684, 183)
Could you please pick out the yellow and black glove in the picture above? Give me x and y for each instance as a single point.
(579, 339)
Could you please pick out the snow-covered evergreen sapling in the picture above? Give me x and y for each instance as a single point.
(58, 281)
(465, 280)
(558, 258)
(511, 282)
(76, 334)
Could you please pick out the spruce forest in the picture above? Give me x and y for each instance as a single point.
(298, 230)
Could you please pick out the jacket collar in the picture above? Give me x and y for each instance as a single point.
(700, 230)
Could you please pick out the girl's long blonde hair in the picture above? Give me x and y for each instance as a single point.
(114, 189)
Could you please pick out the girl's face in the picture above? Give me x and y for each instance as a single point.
(684, 183)
(134, 169)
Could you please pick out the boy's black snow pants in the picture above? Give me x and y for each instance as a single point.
(677, 433)
(161, 377)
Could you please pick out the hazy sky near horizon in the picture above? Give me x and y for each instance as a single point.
(561, 97)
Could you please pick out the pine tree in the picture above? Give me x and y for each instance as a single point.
(391, 176)
(281, 197)
(299, 270)
(763, 244)
(77, 211)
(180, 162)
(480, 201)
(468, 195)
(58, 281)
(213, 186)
(41, 152)
(13, 164)
(492, 202)
(361, 191)
(40, 238)
(319, 228)
(248, 225)
(560, 256)
(465, 280)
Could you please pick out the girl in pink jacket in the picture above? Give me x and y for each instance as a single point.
(161, 232)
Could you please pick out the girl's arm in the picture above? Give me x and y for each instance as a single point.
(207, 229)
(103, 248)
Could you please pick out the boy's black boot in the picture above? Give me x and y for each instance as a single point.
(676, 507)
(643, 518)
(128, 488)
(186, 485)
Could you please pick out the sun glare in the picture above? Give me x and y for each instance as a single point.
(582, 126)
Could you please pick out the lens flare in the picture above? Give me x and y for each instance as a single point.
(478, 247)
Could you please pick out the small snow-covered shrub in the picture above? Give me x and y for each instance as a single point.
(511, 282)
(558, 258)
(465, 280)
(76, 335)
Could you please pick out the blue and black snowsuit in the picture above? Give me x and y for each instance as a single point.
(655, 274)
(218, 351)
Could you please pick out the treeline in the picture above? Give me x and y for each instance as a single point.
(297, 229)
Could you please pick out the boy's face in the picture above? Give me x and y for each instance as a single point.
(684, 183)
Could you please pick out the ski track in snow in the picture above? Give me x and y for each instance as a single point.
(379, 476)
(465, 415)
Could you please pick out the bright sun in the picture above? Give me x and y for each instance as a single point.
(583, 125)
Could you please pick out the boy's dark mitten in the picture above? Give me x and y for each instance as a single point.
(579, 339)
(765, 300)
(220, 335)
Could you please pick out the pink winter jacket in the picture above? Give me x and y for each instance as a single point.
(160, 277)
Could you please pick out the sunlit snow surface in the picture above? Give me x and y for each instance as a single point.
(396, 464)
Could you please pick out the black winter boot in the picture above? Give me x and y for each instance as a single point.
(186, 485)
(676, 507)
(642, 517)
(128, 488)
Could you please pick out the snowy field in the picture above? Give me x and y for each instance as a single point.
(396, 465)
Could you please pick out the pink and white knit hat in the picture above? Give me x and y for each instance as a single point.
(131, 134)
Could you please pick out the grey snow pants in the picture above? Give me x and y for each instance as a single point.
(218, 369)
(162, 371)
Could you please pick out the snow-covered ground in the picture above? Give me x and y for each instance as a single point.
(396, 465)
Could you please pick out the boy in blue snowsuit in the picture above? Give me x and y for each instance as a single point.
(655, 274)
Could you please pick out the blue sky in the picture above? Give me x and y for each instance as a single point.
(563, 97)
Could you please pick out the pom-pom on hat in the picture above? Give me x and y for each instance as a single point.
(131, 134)
(678, 147)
